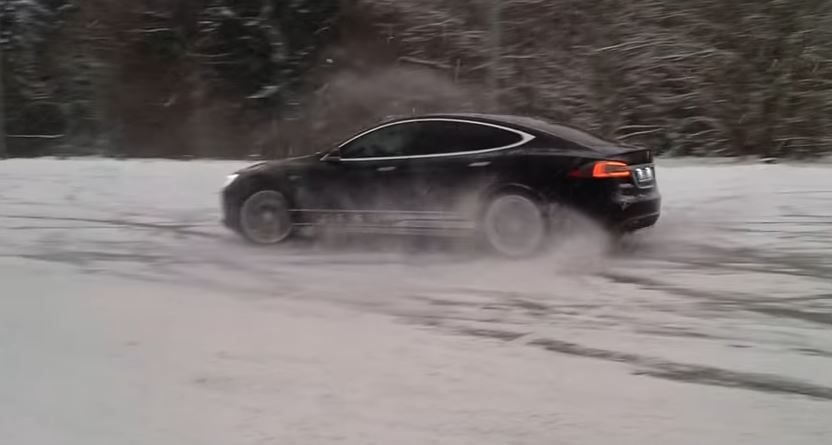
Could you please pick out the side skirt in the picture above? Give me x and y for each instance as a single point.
(392, 222)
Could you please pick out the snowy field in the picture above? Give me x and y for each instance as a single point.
(129, 316)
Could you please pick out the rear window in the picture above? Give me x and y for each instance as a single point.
(570, 134)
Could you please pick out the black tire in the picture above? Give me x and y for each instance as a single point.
(514, 224)
(265, 218)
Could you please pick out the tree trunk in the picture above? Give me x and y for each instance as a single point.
(2, 110)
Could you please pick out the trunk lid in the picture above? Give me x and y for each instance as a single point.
(641, 164)
(631, 155)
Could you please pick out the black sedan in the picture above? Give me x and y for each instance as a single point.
(503, 178)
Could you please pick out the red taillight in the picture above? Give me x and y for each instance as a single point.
(603, 170)
(610, 169)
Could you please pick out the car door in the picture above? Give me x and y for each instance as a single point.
(453, 160)
(368, 174)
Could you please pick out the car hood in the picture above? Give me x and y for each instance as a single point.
(280, 163)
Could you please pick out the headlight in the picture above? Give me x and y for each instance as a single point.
(230, 180)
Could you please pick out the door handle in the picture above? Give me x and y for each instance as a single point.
(386, 169)
(480, 164)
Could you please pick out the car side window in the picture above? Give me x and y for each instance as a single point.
(394, 140)
(444, 137)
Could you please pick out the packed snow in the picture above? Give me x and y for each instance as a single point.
(129, 315)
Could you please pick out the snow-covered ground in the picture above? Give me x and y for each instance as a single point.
(129, 316)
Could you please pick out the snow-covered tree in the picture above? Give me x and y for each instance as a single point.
(205, 77)
(31, 110)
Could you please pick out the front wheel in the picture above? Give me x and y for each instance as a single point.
(514, 225)
(265, 218)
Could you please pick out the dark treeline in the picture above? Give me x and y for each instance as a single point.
(222, 78)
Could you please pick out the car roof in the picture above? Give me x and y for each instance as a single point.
(572, 134)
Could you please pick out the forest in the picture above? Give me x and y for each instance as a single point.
(273, 78)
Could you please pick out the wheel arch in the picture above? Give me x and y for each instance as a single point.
(247, 186)
(506, 188)
(257, 182)
(496, 190)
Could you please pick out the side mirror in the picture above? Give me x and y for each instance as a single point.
(333, 157)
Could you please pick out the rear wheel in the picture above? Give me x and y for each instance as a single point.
(514, 225)
(265, 218)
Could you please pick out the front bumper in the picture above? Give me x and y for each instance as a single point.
(230, 210)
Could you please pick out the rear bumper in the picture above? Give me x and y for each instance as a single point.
(636, 209)
(628, 215)
(638, 222)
